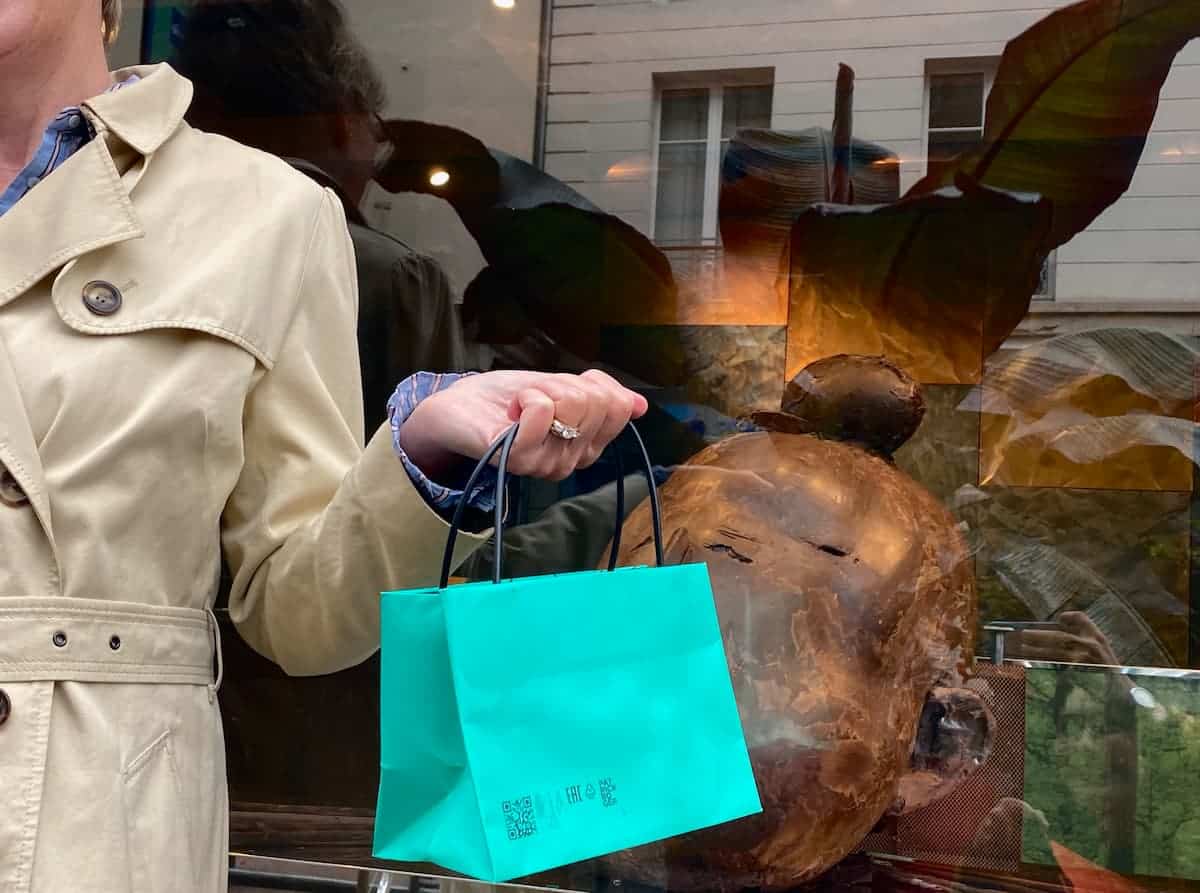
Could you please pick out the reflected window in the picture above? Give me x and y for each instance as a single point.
(956, 92)
(695, 124)
(956, 96)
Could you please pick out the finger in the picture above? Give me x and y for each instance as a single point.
(1088, 651)
(570, 401)
(639, 404)
(548, 456)
(619, 408)
(610, 409)
(594, 403)
(583, 406)
(582, 451)
(536, 413)
(1040, 644)
(548, 461)
(1080, 624)
(560, 470)
(1060, 647)
(547, 383)
(554, 458)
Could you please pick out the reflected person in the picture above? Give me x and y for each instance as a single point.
(289, 77)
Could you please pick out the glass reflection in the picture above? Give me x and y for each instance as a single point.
(702, 211)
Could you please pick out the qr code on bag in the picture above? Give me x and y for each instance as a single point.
(519, 819)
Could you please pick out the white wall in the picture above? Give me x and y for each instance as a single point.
(604, 55)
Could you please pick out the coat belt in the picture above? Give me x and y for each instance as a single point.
(51, 639)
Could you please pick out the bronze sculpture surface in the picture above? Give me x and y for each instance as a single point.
(847, 604)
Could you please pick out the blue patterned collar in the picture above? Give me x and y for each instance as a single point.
(63, 137)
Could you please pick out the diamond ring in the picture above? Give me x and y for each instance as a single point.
(563, 431)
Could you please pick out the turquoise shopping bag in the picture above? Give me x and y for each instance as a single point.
(532, 723)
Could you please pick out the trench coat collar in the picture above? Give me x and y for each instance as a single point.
(144, 113)
(83, 206)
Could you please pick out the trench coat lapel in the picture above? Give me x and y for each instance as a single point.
(83, 206)
(38, 235)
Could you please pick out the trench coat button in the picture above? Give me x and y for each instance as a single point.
(10, 491)
(60, 639)
(102, 298)
(5, 707)
(115, 643)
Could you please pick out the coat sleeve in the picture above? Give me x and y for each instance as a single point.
(317, 526)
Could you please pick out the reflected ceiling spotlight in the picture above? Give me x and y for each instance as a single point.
(439, 177)
(504, 4)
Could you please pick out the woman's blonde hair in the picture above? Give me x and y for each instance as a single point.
(111, 11)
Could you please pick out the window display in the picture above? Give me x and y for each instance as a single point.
(847, 604)
(992, 160)
(903, 296)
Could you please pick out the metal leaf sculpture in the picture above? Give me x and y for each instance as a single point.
(770, 176)
(557, 263)
(1072, 103)
(1067, 120)
(1109, 409)
(934, 283)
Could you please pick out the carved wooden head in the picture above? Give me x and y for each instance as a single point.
(847, 604)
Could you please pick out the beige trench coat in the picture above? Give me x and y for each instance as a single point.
(216, 408)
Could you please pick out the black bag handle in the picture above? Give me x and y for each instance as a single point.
(503, 446)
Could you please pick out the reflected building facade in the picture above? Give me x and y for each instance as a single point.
(643, 94)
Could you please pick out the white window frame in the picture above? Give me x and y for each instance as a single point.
(715, 83)
(987, 66)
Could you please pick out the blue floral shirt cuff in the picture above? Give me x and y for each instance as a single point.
(443, 498)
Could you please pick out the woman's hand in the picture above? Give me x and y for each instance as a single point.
(1077, 640)
(466, 418)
